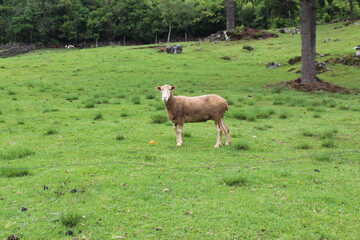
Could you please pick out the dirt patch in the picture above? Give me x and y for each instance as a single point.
(350, 60)
(240, 34)
(319, 85)
(250, 33)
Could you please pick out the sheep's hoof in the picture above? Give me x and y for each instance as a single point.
(227, 144)
(179, 144)
(216, 146)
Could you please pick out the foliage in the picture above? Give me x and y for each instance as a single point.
(75, 21)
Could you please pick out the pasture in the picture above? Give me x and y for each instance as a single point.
(76, 160)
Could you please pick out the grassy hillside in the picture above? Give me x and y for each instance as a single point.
(75, 157)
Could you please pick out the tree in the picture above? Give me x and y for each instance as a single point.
(230, 20)
(186, 16)
(169, 12)
(308, 40)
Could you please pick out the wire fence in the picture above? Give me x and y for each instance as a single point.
(190, 167)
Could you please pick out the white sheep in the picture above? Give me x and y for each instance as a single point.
(183, 109)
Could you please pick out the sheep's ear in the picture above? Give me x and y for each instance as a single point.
(173, 87)
(158, 88)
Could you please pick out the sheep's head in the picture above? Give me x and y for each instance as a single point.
(166, 92)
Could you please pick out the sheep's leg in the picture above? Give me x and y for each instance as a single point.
(179, 134)
(226, 131)
(175, 127)
(218, 137)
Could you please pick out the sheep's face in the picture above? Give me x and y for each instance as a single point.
(166, 92)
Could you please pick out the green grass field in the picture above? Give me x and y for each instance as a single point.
(76, 162)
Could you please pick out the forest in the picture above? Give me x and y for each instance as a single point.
(52, 22)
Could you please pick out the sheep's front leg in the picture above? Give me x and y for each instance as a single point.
(178, 133)
(218, 138)
(179, 130)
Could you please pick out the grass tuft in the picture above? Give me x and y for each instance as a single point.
(236, 181)
(12, 173)
(308, 133)
(328, 143)
(136, 100)
(242, 146)
(51, 131)
(15, 153)
(98, 116)
(120, 137)
(158, 118)
(304, 146)
(70, 219)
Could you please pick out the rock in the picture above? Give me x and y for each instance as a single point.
(321, 67)
(272, 65)
(176, 49)
(294, 60)
(248, 47)
(13, 237)
(326, 40)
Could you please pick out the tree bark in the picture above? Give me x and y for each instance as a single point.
(230, 22)
(351, 9)
(308, 40)
(169, 34)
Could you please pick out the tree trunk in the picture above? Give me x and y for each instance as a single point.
(308, 40)
(107, 2)
(351, 9)
(185, 36)
(169, 34)
(230, 22)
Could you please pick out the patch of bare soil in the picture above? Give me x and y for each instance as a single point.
(319, 85)
(240, 33)
(250, 33)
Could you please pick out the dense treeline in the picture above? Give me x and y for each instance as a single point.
(147, 21)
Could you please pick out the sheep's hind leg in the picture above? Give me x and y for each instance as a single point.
(218, 137)
(226, 131)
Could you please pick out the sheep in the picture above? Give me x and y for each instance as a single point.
(182, 109)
